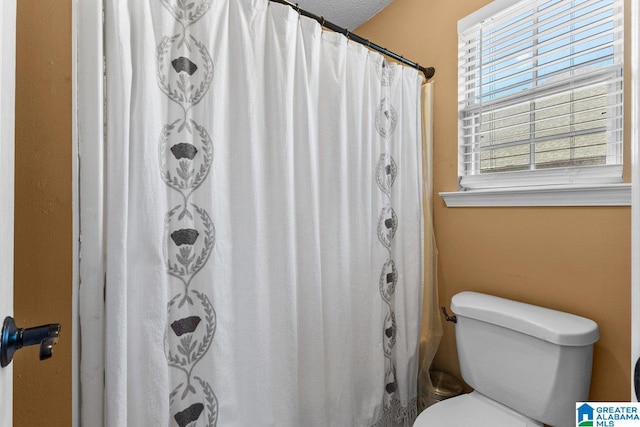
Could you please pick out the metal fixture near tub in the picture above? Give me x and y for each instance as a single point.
(448, 318)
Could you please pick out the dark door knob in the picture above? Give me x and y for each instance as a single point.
(14, 338)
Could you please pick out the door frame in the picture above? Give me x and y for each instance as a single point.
(7, 179)
(88, 191)
(635, 190)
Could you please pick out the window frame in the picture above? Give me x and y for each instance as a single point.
(590, 185)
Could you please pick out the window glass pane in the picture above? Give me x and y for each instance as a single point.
(567, 129)
(554, 153)
(553, 116)
(508, 159)
(501, 141)
(505, 126)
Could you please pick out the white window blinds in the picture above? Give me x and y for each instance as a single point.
(540, 94)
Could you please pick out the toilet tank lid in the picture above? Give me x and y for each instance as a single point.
(550, 325)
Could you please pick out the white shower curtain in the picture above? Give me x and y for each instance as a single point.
(263, 221)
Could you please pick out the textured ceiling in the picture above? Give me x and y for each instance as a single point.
(349, 14)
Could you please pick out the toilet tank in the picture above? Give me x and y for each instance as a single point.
(534, 360)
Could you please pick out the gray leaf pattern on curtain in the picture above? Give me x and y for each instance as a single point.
(184, 72)
(386, 173)
(187, 12)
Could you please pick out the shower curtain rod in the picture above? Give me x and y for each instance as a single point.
(427, 71)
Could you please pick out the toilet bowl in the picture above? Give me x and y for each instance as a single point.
(528, 365)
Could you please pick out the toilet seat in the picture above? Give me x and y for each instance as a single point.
(472, 409)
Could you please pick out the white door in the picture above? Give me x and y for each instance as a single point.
(7, 102)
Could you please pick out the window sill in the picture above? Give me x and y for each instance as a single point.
(566, 195)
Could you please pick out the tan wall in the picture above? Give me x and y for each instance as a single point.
(43, 221)
(571, 259)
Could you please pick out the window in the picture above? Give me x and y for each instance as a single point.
(541, 94)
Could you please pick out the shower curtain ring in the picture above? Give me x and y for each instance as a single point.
(322, 21)
(298, 8)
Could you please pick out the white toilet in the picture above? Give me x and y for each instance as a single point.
(528, 365)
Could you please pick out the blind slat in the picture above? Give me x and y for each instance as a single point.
(472, 42)
(539, 136)
(539, 140)
(480, 79)
(471, 127)
(546, 154)
(546, 60)
(573, 24)
(507, 19)
(581, 80)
